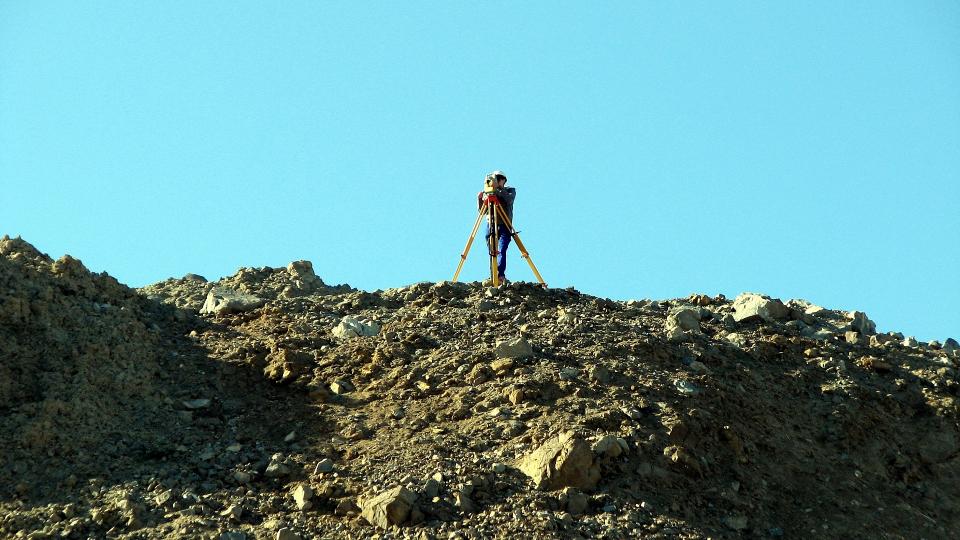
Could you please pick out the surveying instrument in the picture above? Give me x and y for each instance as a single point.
(492, 209)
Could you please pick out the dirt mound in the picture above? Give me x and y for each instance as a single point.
(78, 357)
(296, 409)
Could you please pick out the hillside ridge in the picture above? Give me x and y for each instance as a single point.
(269, 404)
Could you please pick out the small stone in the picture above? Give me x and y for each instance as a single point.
(241, 476)
(737, 523)
(196, 403)
(569, 373)
(235, 447)
(290, 437)
(499, 411)
(302, 495)
(516, 396)
(431, 488)
(599, 374)
(686, 388)
(234, 511)
(607, 446)
(287, 534)
(577, 502)
(499, 468)
(465, 503)
(681, 456)
(345, 507)
(875, 364)
(623, 444)
(164, 497)
(699, 367)
(853, 337)
(276, 468)
(324, 466)
(341, 387)
(501, 366)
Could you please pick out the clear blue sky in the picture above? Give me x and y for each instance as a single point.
(800, 149)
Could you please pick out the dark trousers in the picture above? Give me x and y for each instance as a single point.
(503, 242)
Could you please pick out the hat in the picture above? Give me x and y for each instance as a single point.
(496, 174)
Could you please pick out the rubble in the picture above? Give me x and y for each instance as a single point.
(471, 412)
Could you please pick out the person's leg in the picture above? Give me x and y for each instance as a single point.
(502, 262)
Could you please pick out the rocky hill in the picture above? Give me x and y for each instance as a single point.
(271, 405)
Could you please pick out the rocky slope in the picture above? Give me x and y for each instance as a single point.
(271, 405)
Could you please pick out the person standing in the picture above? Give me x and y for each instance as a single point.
(496, 185)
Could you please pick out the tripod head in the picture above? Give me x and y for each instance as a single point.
(489, 198)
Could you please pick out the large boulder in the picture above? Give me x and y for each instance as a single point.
(680, 321)
(222, 301)
(517, 347)
(685, 318)
(303, 280)
(749, 307)
(563, 461)
(302, 270)
(861, 323)
(350, 327)
(391, 507)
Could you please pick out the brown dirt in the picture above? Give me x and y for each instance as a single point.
(747, 429)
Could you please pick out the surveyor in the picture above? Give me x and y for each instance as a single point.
(496, 185)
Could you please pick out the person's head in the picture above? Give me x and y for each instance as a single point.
(499, 179)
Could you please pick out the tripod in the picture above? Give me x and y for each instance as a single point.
(492, 209)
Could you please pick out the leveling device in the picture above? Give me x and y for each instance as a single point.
(496, 217)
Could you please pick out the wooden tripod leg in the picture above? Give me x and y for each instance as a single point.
(523, 249)
(473, 233)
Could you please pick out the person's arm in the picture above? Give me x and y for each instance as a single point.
(506, 194)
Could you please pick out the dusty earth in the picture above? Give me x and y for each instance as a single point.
(271, 405)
